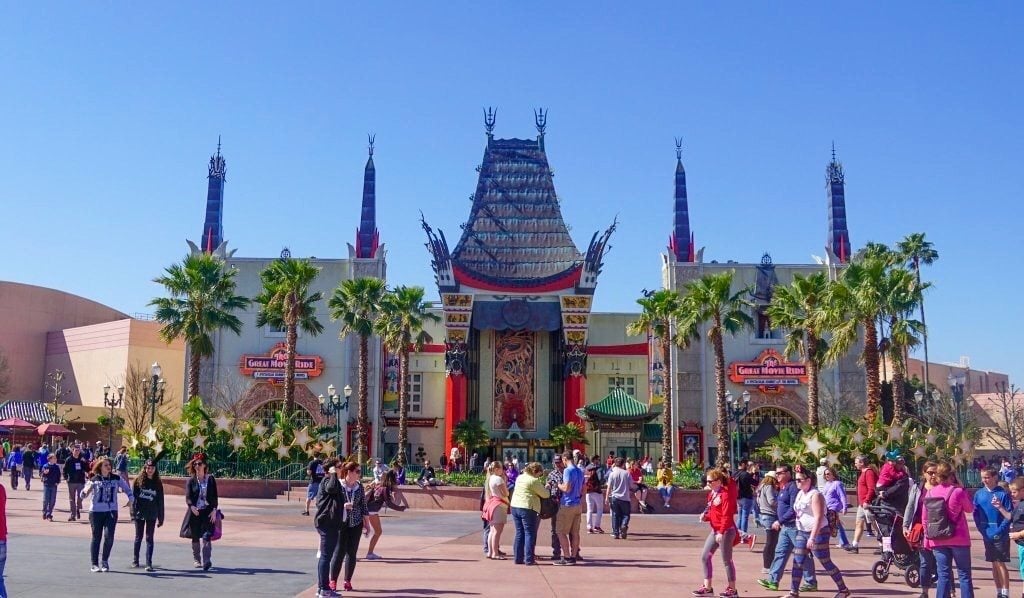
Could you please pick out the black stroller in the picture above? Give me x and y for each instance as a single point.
(896, 550)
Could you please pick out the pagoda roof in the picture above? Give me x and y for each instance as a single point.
(618, 406)
(515, 237)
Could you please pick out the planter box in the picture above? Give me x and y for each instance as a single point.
(232, 488)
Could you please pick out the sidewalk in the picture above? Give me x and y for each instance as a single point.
(269, 549)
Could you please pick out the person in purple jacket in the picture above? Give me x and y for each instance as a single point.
(835, 502)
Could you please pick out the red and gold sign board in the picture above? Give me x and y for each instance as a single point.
(769, 372)
(272, 365)
(412, 422)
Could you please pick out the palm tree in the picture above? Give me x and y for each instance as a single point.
(286, 302)
(566, 435)
(403, 312)
(853, 303)
(917, 251)
(710, 299)
(658, 310)
(469, 434)
(901, 295)
(201, 301)
(795, 308)
(357, 304)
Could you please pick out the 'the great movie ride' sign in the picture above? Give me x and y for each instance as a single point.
(768, 372)
(272, 365)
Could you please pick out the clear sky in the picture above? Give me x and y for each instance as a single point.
(109, 112)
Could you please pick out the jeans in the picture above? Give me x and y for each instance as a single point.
(49, 499)
(666, 494)
(556, 544)
(620, 516)
(771, 540)
(328, 544)
(3, 565)
(15, 476)
(144, 528)
(787, 540)
(803, 547)
(928, 570)
(746, 506)
(711, 545)
(103, 525)
(27, 473)
(75, 499)
(526, 521)
(945, 556)
(486, 533)
(595, 508)
(843, 540)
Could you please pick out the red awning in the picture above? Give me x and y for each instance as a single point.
(16, 424)
(53, 430)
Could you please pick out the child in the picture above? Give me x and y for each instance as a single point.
(1016, 518)
(50, 475)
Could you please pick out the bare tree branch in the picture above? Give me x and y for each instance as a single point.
(1006, 409)
(136, 408)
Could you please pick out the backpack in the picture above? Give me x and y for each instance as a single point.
(937, 524)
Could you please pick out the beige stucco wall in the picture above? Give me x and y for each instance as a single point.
(27, 314)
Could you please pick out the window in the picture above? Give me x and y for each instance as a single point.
(626, 383)
(764, 325)
(416, 393)
(271, 331)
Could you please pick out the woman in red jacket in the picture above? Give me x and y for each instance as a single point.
(721, 514)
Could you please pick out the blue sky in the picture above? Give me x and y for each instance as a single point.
(109, 112)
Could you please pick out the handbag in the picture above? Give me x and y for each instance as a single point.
(186, 531)
(833, 522)
(548, 507)
(218, 526)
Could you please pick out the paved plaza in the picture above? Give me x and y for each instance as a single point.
(269, 549)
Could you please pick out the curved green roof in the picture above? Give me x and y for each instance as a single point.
(618, 405)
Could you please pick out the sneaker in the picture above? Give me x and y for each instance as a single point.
(599, 530)
(590, 530)
(327, 594)
(372, 556)
(846, 594)
(332, 585)
(852, 549)
(135, 565)
(809, 587)
(765, 571)
(206, 566)
(668, 506)
(105, 567)
(71, 518)
(703, 591)
(768, 584)
(729, 593)
(95, 568)
(570, 562)
(150, 568)
(197, 565)
(347, 586)
(306, 513)
(560, 562)
(622, 533)
(615, 536)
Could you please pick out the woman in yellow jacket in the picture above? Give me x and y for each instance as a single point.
(665, 481)
(529, 489)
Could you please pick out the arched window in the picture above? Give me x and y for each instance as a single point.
(265, 413)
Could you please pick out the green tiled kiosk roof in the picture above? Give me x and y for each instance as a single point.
(619, 405)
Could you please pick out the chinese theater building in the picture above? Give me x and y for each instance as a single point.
(754, 359)
(245, 375)
(516, 298)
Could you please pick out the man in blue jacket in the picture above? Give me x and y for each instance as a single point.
(994, 528)
(786, 524)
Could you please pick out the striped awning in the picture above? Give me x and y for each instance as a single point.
(30, 411)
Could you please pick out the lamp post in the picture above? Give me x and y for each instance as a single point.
(155, 390)
(956, 387)
(926, 407)
(332, 405)
(737, 409)
(113, 402)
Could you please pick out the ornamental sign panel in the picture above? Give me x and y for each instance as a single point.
(412, 422)
(272, 365)
(769, 372)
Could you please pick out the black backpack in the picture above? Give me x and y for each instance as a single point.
(937, 524)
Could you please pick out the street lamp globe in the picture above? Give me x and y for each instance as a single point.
(106, 389)
(156, 370)
(746, 396)
(936, 395)
(728, 396)
(320, 398)
(918, 396)
(120, 389)
(348, 391)
(330, 391)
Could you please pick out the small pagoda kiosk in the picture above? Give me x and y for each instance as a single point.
(620, 412)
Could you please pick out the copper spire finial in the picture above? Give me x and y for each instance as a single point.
(370, 137)
(679, 148)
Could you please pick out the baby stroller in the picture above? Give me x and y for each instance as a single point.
(896, 550)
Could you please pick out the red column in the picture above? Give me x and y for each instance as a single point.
(456, 390)
(575, 397)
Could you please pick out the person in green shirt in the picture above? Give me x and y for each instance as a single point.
(525, 503)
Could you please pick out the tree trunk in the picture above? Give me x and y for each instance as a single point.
(666, 423)
(364, 392)
(403, 402)
(899, 374)
(292, 339)
(812, 380)
(872, 385)
(723, 413)
(194, 367)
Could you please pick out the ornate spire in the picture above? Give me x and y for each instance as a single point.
(489, 116)
(367, 238)
(680, 244)
(540, 117)
(838, 233)
(213, 227)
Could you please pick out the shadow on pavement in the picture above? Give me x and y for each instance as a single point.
(416, 592)
(423, 560)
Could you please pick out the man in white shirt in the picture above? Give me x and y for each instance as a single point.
(820, 472)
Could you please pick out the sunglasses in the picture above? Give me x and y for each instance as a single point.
(801, 479)
(931, 473)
